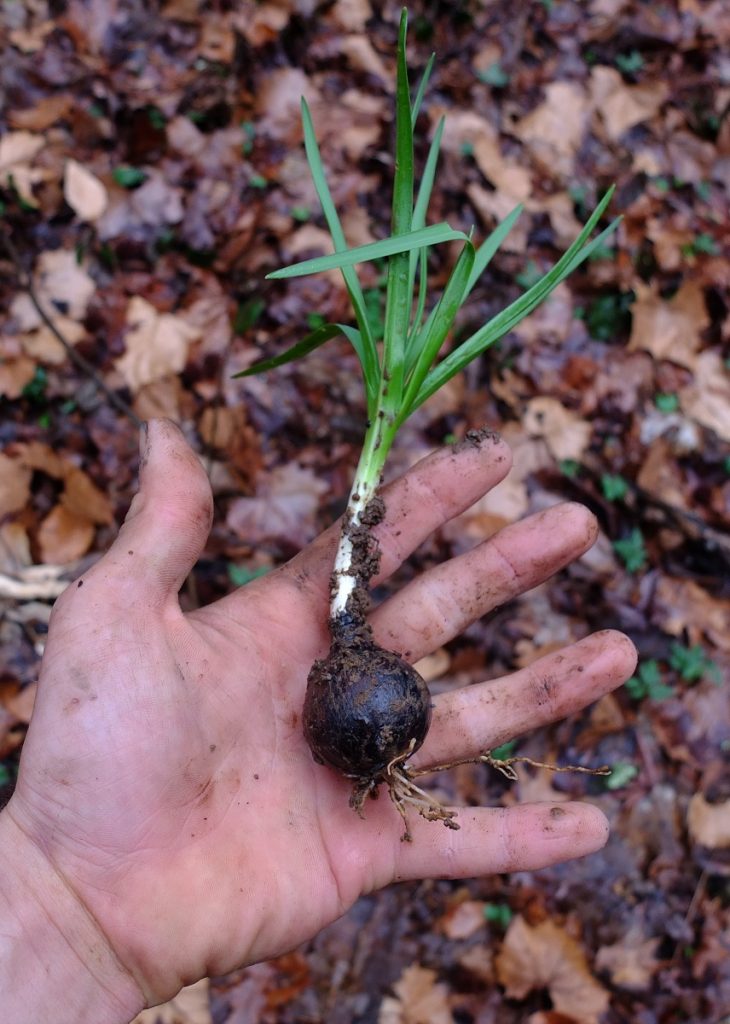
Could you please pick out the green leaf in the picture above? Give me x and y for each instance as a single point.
(419, 215)
(631, 550)
(240, 575)
(391, 246)
(129, 177)
(622, 773)
(529, 276)
(415, 109)
(692, 663)
(247, 314)
(370, 362)
(614, 487)
(499, 914)
(648, 682)
(666, 402)
(504, 751)
(430, 340)
(508, 319)
(630, 63)
(490, 245)
(494, 75)
(398, 299)
(569, 467)
(302, 348)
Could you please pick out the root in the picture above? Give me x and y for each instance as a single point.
(505, 766)
(406, 795)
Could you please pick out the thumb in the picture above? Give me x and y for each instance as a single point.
(169, 519)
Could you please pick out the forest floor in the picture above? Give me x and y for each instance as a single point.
(151, 174)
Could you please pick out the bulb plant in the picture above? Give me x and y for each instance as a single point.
(366, 709)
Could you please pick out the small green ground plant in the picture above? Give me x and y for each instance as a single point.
(366, 710)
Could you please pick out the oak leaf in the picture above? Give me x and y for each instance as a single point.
(631, 962)
(18, 150)
(545, 956)
(554, 130)
(565, 433)
(709, 824)
(420, 999)
(707, 399)
(622, 106)
(63, 537)
(669, 329)
(15, 480)
(157, 344)
(84, 193)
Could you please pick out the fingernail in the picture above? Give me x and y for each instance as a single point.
(143, 439)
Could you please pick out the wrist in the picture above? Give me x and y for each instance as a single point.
(55, 962)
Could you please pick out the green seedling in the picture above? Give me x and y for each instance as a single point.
(648, 682)
(693, 664)
(366, 710)
(631, 550)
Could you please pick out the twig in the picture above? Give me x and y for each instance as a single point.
(81, 362)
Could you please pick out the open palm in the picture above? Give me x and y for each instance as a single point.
(165, 775)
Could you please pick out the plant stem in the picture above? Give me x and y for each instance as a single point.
(376, 445)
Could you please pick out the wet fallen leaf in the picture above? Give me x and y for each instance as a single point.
(284, 509)
(15, 374)
(352, 15)
(669, 329)
(156, 344)
(14, 547)
(18, 150)
(463, 920)
(63, 537)
(15, 480)
(707, 399)
(681, 605)
(359, 50)
(21, 704)
(554, 130)
(631, 962)
(546, 957)
(420, 999)
(42, 114)
(81, 498)
(565, 433)
(622, 106)
(190, 1006)
(83, 191)
(709, 824)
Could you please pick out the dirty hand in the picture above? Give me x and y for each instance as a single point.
(169, 821)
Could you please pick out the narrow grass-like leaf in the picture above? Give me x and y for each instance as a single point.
(371, 365)
(490, 245)
(430, 341)
(394, 244)
(519, 309)
(415, 109)
(398, 300)
(302, 348)
(424, 197)
(371, 381)
(422, 289)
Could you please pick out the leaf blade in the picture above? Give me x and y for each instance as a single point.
(302, 348)
(394, 244)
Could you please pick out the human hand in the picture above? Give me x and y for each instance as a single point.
(165, 780)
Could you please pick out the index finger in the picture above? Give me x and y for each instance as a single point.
(435, 490)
